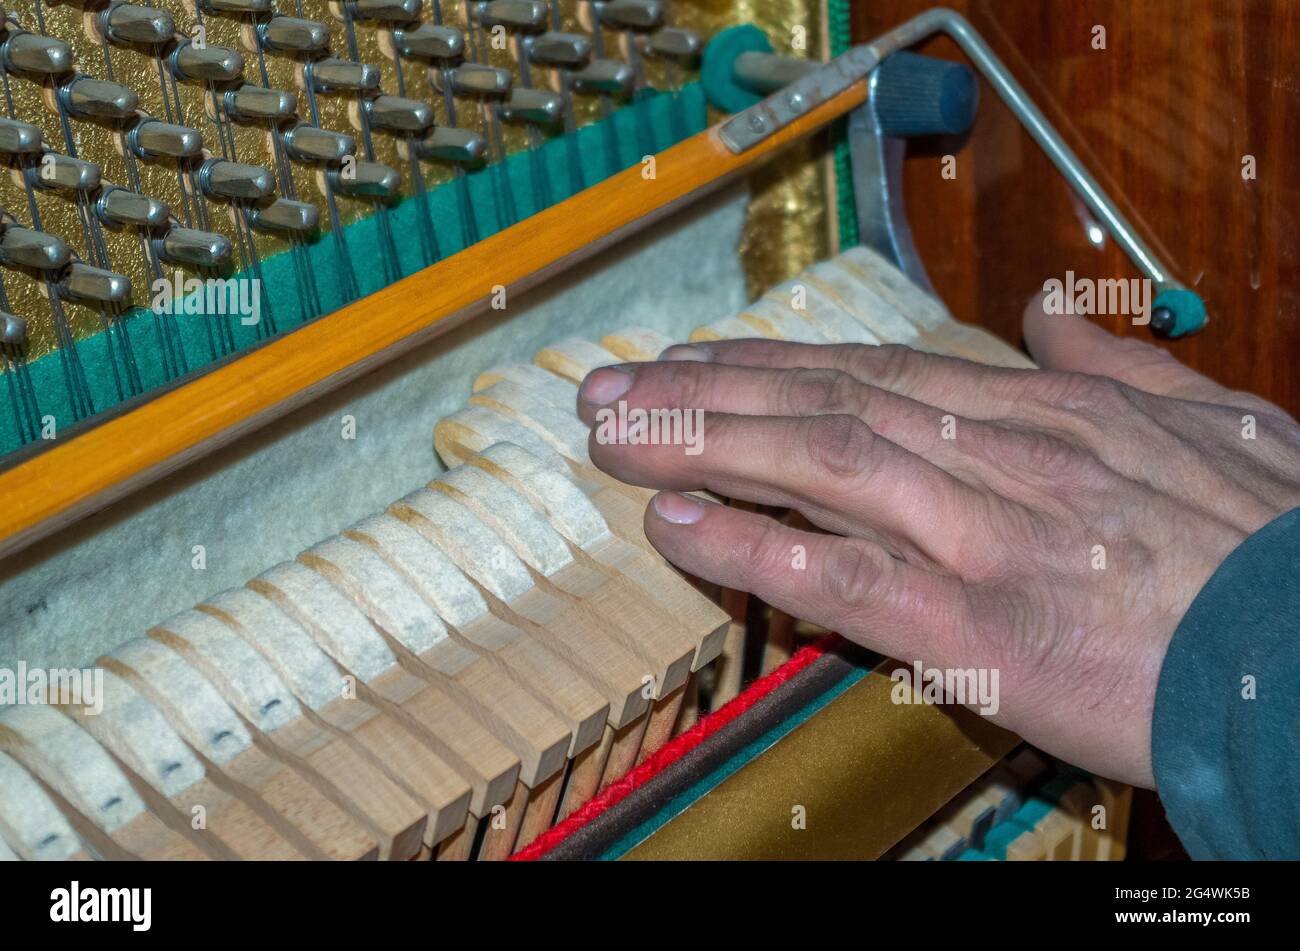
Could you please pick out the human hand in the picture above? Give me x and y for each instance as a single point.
(963, 506)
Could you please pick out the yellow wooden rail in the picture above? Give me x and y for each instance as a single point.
(102, 464)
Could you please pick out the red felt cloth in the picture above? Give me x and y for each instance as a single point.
(674, 750)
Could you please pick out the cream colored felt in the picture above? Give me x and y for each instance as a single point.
(324, 689)
(621, 505)
(820, 309)
(727, 328)
(869, 269)
(868, 307)
(347, 635)
(561, 430)
(575, 516)
(216, 733)
(33, 825)
(573, 358)
(341, 773)
(774, 320)
(632, 344)
(640, 626)
(490, 563)
(474, 428)
(527, 727)
(70, 762)
(525, 661)
(556, 390)
(136, 732)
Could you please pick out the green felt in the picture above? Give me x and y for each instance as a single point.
(596, 151)
(840, 29)
(683, 800)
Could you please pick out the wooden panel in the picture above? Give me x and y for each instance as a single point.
(1163, 116)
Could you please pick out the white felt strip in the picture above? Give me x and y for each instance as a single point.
(727, 328)
(7, 854)
(255, 690)
(560, 428)
(432, 573)
(336, 622)
(469, 543)
(382, 593)
(821, 309)
(636, 343)
(28, 812)
(191, 704)
(893, 285)
(533, 378)
(578, 356)
(478, 427)
(290, 649)
(865, 304)
(764, 314)
(79, 769)
(509, 514)
(553, 493)
(138, 733)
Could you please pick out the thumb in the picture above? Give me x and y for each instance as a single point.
(1070, 343)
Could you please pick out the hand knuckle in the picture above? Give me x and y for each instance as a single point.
(853, 576)
(815, 392)
(840, 445)
(889, 365)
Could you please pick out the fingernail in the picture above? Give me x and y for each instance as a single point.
(605, 385)
(686, 351)
(677, 508)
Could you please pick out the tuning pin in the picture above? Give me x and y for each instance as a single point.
(235, 6)
(186, 246)
(282, 34)
(307, 143)
(63, 173)
(12, 329)
(23, 247)
(396, 114)
(632, 14)
(333, 75)
(285, 215)
(19, 138)
(366, 180)
(34, 53)
(451, 144)
(513, 14)
(606, 77)
(392, 11)
(128, 23)
(221, 179)
(89, 98)
(152, 139)
(535, 106)
(479, 81)
(563, 50)
(673, 42)
(218, 64)
(254, 103)
(92, 285)
(120, 208)
(431, 41)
